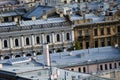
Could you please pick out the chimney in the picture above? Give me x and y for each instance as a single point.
(33, 18)
(1, 66)
(84, 17)
(61, 14)
(46, 54)
(44, 14)
(16, 19)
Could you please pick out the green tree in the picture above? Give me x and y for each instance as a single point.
(77, 45)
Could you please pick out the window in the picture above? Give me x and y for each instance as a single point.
(95, 32)
(84, 69)
(72, 69)
(5, 44)
(79, 69)
(118, 28)
(102, 31)
(48, 38)
(101, 67)
(119, 63)
(106, 68)
(16, 43)
(96, 43)
(110, 66)
(58, 38)
(38, 40)
(109, 41)
(87, 45)
(102, 42)
(87, 32)
(108, 31)
(115, 65)
(68, 36)
(6, 19)
(79, 33)
(27, 41)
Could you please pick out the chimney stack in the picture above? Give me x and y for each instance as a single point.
(16, 19)
(46, 54)
(33, 18)
(61, 14)
(44, 14)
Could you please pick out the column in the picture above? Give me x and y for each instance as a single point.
(43, 38)
(106, 39)
(83, 32)
(99, 31)
(99, 43)
(105, 31)
(84, 45)
(53, 37)
(11, 42)
(22, 41)
(33, 40)
(72, 35)
(63, 37)
(0, 44)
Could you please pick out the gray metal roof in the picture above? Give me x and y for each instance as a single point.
(83, 57)
(38, 11)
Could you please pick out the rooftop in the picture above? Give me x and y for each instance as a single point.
(82, 57)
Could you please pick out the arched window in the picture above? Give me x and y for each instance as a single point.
(79, 69)
(68, 36)
(58, 38)
(72, 69)
(101, 67)
(27, 41)
(106, 68)
(5, 44)
(110, 66)
(48, 38)
(16, 42)
(115, 65)
(84, 69)
(38, 40)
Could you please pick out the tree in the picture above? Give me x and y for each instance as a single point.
(77, 45)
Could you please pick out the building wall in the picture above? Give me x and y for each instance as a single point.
(31, 39)
(97, 35)
(95, 68)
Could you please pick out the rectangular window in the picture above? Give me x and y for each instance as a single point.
(87, 45)
(118, 28)
(109, 41)
(79, 33)
(102, 31)
(95, 32)
(96, 43)
(102, 42)
(87, 32)
(108, 31)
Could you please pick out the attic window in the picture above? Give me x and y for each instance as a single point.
(110, 13)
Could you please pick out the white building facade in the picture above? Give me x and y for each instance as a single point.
(22, 40)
